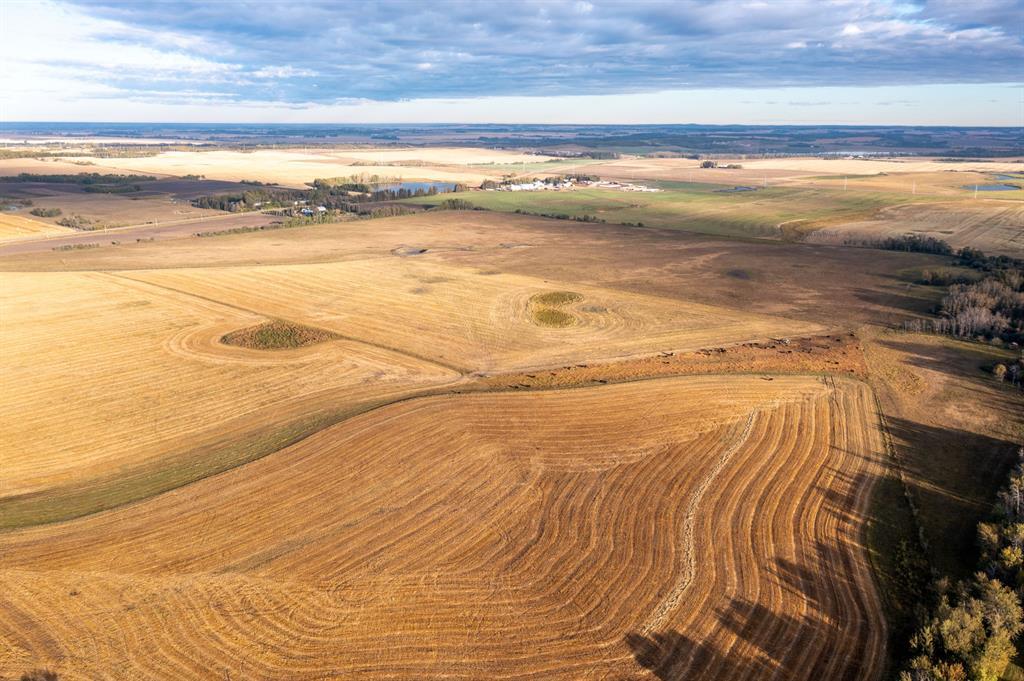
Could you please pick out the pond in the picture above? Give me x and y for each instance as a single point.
(992, 187)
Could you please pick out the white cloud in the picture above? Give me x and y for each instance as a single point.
(851, 30)
(283, 72)
(55, 51)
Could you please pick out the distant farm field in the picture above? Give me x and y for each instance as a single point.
(294, 168)
(698, 528)
(708, 209)
(993, 226)
(15, 227)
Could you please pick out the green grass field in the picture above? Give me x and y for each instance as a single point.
(774, 212)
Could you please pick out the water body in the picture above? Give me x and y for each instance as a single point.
(992, 187)
(439, 187)
(736, 189)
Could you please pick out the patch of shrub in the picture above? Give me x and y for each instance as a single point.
(75, 247)
(544, 307)
(457, 204)
(277, 335)
(76, 222)
(46, 212)
(556, 298)
(40, 675)
(549, 316)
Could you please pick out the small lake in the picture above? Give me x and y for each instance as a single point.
(439, 187)
(992, 187)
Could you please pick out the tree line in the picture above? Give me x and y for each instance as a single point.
(967, 631)
(331, 194)
(990, 307)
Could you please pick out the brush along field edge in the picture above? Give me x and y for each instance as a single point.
(693, 527)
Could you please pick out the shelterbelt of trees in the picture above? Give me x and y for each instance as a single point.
(968, 630)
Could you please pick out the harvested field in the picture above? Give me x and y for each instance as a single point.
(115, 389)
(853, 166)
(146, 233)
(462, 318)
(439, 155)
(820, 284)
(993, 226)
(707, 209)
(16, 227)
(294, 168)
(698, 528)
(861, 172)
(119, 210)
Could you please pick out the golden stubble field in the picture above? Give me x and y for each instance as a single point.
(296, 167)
(466, 318)
(17, 227)
(701, 527)
(383, 505)
(109, 380)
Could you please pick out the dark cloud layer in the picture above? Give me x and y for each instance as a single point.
(333, 51)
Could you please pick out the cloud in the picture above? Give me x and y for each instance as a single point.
(283, 72)
(322, 51)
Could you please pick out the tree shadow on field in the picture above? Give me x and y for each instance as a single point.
(672, 656)
(894, 304)
(954, 476)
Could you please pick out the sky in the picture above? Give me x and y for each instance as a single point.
(947, 62)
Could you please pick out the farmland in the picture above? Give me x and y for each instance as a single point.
(294, 168)
(483, 443)
(492, 537)
(14, 227)
(696, 207)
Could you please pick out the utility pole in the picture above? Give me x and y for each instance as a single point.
(845, 181)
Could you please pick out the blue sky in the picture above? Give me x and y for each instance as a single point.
(779, 61)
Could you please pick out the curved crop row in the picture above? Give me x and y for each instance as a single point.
(700, 528)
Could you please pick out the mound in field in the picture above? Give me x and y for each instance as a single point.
(277, 335)
(697, 528)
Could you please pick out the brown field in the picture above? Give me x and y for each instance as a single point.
(159, 230)
(468, 319)
(820, 284)
(991, 225)
(14, 227)
(355, 450)
(505, 557)
(781, 169)
(439, 155)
